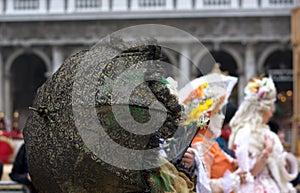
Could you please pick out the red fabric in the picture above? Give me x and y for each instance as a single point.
(225, 132)
(220, 161)
(13, 134)
(6, 151)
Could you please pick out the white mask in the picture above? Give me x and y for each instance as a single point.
(215, 123)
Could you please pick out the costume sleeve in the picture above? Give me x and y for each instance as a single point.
(216, 185)
(242, 149)
(202, 184)
(228, 183)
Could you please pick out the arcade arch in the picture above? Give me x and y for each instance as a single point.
(25, 71)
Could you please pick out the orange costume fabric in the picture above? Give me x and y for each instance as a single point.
(215, 160)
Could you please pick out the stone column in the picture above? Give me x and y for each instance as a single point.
(250, 67)
(248, 71)
(184, 66)
(7, 95)
(1, 85)
(199, 4)
(9, 7)
(241, 86)
(57, 57)
(1, 6)
(169, 5)
(234, 4)
(105, 5)
(43, 6)
(71, 6)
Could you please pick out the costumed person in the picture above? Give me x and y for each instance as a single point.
(19, 172)
(231, 108)
(82, 125)
(2, 122)
(15, 124)
(203, 104)
(259, 151)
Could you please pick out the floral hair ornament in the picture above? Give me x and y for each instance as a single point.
(205, 96)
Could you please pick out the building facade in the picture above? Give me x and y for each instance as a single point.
(296, 69)
(247, 37)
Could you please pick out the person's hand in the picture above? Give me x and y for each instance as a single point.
(269, 143)
(243, 176)
(188, 158)
(234, 164)
(28, 177)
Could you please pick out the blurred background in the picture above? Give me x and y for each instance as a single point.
(246, 37)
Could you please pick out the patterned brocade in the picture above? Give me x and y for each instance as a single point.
(59, 159)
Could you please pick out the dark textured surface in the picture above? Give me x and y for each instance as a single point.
(60, 161)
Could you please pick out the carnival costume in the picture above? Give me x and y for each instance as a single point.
(59, 158)
(203, 105)
(248, 139)
(6, 149)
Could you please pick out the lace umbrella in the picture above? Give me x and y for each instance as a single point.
(97, 124)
